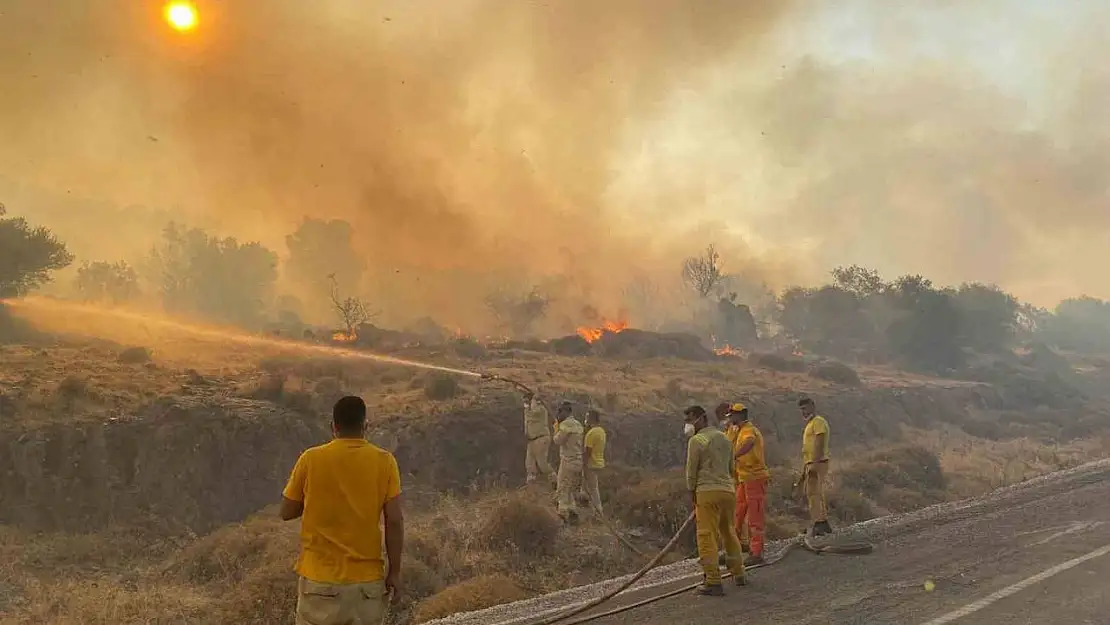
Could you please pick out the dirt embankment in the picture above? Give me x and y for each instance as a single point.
(201, 462)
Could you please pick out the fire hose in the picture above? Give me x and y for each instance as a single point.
(805, 541)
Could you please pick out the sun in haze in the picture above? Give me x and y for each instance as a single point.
(181, 15)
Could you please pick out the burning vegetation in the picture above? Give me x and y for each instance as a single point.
(592, 335)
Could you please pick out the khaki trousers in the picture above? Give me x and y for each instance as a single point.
(341, 604)
(568, 483)
(816, 476)
(590, 487)
(715, 512)
(536, 461)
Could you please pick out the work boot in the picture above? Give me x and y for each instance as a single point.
(740, 581)
(711, 590)
(821, 528)
(755, 560)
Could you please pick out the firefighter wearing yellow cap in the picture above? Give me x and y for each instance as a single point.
(752, 475)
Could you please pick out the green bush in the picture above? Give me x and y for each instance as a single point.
(837, 373)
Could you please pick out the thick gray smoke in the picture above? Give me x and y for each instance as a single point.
(480, 143)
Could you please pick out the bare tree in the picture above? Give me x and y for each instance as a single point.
(518, 312)
(703, 273)
(352, 311)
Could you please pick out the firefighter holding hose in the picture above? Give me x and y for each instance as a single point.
(536, 463)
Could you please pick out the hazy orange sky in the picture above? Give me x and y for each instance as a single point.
(481, 142)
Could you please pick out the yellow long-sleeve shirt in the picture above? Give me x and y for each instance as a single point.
(709, 462)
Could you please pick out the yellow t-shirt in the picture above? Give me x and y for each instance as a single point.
(344, 486)
(595, 443)
(816, 426)
(752, 465)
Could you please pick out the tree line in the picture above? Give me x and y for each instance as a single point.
(857, 316)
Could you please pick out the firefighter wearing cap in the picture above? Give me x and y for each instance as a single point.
(752, 475)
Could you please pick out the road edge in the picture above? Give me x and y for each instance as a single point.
(877, 529)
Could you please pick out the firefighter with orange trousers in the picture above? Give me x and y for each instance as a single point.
(752, 476)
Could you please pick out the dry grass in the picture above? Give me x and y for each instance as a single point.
(479, 592)
(460, 555)
(465, 551)
(198, 358)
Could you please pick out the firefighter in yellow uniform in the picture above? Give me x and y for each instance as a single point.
(815, 471)
(709, 478)
(752, 476)
(536, 463)
(568, 438)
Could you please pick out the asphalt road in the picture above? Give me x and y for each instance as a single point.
(1038, 552)
(1040, 555)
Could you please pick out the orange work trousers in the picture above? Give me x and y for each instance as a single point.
(751, 508)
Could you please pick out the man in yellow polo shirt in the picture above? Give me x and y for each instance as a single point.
(594, 442)
(342, 490)
(752, 475)
(815, 471)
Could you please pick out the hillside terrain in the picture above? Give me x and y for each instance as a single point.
(141, 466)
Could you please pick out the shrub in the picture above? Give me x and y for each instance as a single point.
(674, 392)
(520, 525)
(270, 388)
(908, 468)
(440, 387)
(72, 388)
(275, 364)
(787, 364)
(836, 372)
(135, 356)
(850, 507)
(476, 593)
(468, 348)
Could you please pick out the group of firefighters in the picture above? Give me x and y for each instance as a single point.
(341, 489)
(581, 454)
(726, 473)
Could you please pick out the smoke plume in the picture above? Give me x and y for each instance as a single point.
(476, 144)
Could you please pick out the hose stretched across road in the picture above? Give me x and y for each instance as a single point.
(804, 541)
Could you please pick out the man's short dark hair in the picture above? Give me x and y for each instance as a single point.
(566, 407)
(805, 401)
(696, 412)
(349, 414)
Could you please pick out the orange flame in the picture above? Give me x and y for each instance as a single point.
(728, 350)
(594, 334)
(344, 337)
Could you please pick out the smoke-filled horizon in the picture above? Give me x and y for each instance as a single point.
(477, 144)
